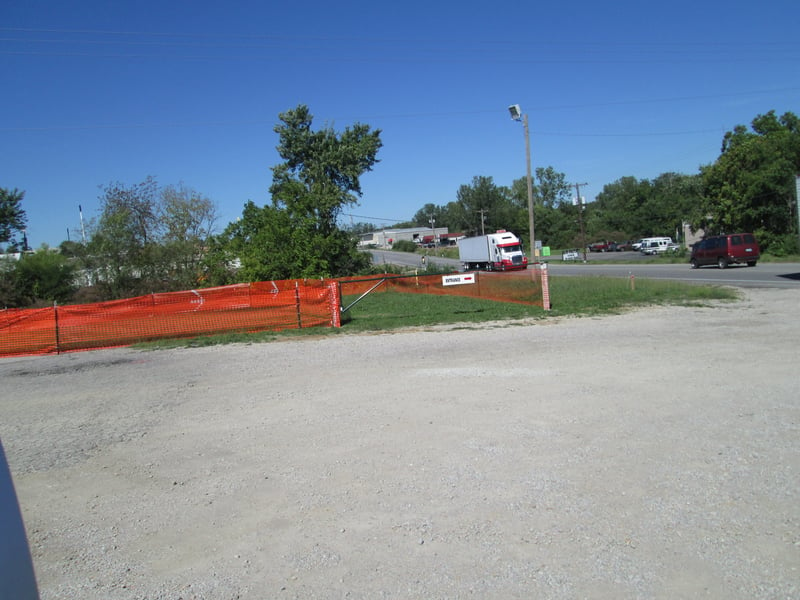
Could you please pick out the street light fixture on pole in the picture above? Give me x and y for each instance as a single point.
(516, 114)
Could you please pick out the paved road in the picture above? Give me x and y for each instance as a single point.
(764, 275)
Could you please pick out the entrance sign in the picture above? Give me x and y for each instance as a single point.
(458, 279)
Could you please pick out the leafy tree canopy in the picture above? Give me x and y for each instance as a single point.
(298, 235)
(147, 238)
(631, 208)
(484, 207)
(42, 278)
(12, 216)
(751, 185)
(423, 217)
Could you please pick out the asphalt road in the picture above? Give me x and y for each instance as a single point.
(626, 264)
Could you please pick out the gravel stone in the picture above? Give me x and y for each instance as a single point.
(652, 454)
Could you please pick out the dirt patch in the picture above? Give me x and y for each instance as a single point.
(647, 455)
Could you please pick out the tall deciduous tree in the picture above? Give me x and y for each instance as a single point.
(631, 208)
(123, 251)
(187, 220)
(186, 215)
(12, 216)
(148, 238)
(551, 201)
(485, 207)
(298, 235)
(622, 206)
(43, 277)
(422, 218)
(675, 199)
(750, 187)
(551, 188)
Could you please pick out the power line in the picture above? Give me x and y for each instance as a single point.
(381, 219)
(438, 41)
(409, 50)
(425, 115)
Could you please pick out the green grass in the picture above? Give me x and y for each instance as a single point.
(789, 258)
(576, 296)
(608, 295)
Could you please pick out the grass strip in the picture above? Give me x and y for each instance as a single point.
(570, 296)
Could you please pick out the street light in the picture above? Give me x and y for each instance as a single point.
(516, 114)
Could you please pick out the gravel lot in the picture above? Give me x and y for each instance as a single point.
(653, 454)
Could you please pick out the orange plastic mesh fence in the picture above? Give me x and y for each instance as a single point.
(273, 305)
(523, 287)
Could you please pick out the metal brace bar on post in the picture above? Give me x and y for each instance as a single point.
(362, 296)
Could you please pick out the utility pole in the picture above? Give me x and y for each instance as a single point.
(432, 221)
(483, 219)
(797, 200)
(530, 187)
(516, 114)
(580, 218)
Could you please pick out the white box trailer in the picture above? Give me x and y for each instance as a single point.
(500, 251)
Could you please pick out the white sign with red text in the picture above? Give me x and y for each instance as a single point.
(458, 279)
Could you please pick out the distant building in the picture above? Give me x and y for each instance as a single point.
(386, 238)
(690, 237)
(10, 257)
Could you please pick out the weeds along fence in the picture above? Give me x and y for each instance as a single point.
(523, 287)
(263, 306)
(273, 305)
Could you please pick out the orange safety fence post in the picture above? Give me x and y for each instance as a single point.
(335, 289)
(297, 304)
(545, 287)
(55, 321)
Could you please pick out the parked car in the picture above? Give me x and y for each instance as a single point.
(621, 246)
(723, 250)
(598, 247)
(657, 245)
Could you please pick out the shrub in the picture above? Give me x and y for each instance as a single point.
(404, 246)
(779, 245)
(41, 278)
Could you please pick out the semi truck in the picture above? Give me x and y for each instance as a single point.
(500, 251)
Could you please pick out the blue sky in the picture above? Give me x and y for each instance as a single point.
(189, 92)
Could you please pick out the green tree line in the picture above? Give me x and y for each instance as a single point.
(750, 187)
(149, 238)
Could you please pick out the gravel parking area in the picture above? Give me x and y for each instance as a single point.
(653, 454)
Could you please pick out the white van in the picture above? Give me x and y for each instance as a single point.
(657, 245)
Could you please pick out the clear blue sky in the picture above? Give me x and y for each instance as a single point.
(96, 92)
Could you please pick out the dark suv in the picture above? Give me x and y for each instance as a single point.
(722, 250)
